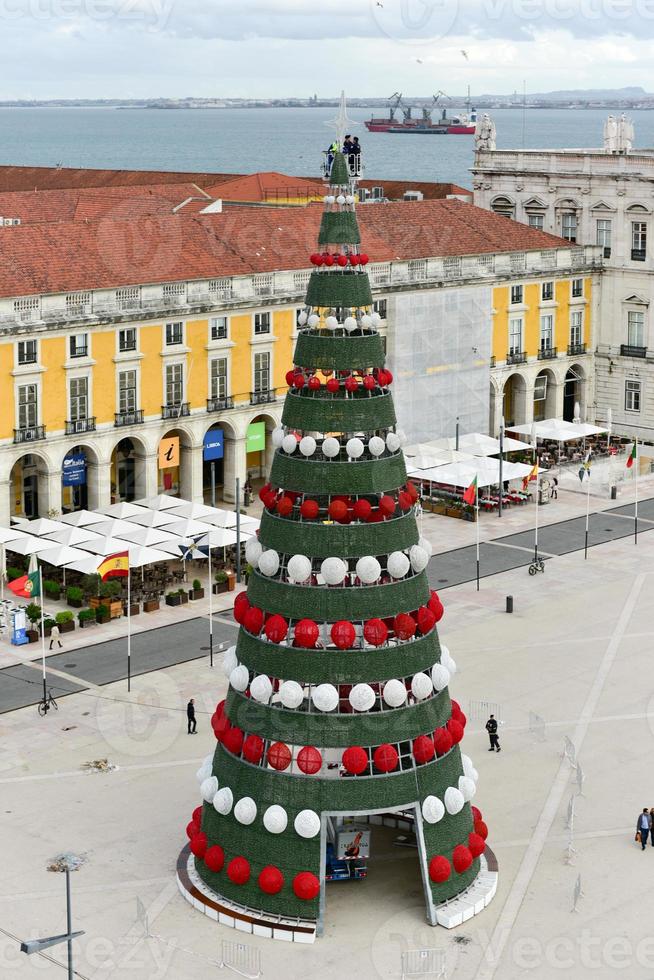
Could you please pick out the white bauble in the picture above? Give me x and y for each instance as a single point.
(204, 772)
(230, 661)
(432, 809)
(330, 199)
(366, 321)
(307, 823)
(419, 558)
(362, 697)
(278, 436)
(401, 434)
(474, 775)
(447, 660)
(269, 562)
(302, 318)
(397, 564)
(313, 320)
(467, 787)
(240, 678)
(454, 801)
(331, 323)
(298, 568)
(325, 697)
(468, 767)
(291, 694)
(368, 569)
(253, 551)
(223, 801)
(392, 442)
(209, 788)
(275, 819)
(245, 810)
(331, 447)
(354, 448)
(440, 677)
(394, 693)
(261, 688)
(376, 446)
(307, 446)
(289, 444)
(333, 570)
(326, 199)
(349, 199)
(350, 324)
(340, 199)
(376, 319)
(426, 545)
(421, 686)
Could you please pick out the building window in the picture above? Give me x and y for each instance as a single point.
(27, 351)
(632, 396)
(380, 306)
(635, 328)
(261, 323)
(576, 328)
(536, 221)
(219, 378)
(517, 293)
(174, 385)
(547, 291)
(603, 235)
(546, 329)
(127, 340)
(28, 407)
(262, 372)
(503, 205)
(79, 345)
(218, 326)
(638, 241)
(79, 399)
(569, 226)
(174, 333)
(127, 392)
(515, 335)
(577, 288)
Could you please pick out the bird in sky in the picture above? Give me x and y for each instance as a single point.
(465, 54)
(419, 60)
(379, 3)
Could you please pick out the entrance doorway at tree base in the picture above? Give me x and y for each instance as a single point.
(128, 471)
(28, 487)
(370, 855)
(544, 396)
(573, 393)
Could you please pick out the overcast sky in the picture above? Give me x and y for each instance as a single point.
(273, 48)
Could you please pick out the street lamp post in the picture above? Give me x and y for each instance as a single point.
(31, 946)
(499, 507)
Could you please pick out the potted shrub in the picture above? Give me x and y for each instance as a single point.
(102, 614)
(47, 626)
(91, 584)
(231, 580)
(86, 617)
(173, 599)
(52, 589)
(33, 613)
(221, 583)
(65, 621)
(183, 594)
(74, 596)
(134, 608)
(151, 605)
(197, 592)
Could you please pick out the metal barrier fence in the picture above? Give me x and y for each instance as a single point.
(424, 963)
(243, 960)
(480, 710)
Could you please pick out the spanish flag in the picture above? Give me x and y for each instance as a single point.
(114, 566)
(530, 476)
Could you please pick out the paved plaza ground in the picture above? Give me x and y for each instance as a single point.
(573, 660)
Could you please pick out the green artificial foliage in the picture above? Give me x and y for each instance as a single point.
(340, 173)
(339, 227)
(338, 287)
(337, 413)
(362, 476)
(320, 350)
(345, 540)
(197, 584)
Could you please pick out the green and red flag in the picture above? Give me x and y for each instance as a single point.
(27, 586)
(470, 495)
(633, 456)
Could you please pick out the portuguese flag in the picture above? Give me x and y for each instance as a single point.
(470, 495)
(27, 586)
(633, 456)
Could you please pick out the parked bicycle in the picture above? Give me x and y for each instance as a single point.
(46, 703)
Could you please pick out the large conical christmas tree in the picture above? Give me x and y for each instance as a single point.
(338, 695)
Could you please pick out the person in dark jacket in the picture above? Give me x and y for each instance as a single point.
(190, 715)
(491, 728)
(642, 827)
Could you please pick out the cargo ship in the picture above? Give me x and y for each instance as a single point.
(424, 124)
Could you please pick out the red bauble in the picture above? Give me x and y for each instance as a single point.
(369, 382)
(456, 709)
(221, 727)
(387, 505)
(253, 749)
(238, 870)
(199, 844)
(404, 626)
(241, 606)
(279, 756)
(436, 606)
(461, 858)
(363, 258)
(220, 710)
(439, 869)
(309, 760)
(284, 506)
(309, 509)
(476, 844)
(314, 383)
(476, 813)
(481, 828)
(342, 260)
(266, 488)
(196, 816)
(385, 758)
(412, 491)
(351, 385)
(319, 260)
(253, 620)
(343, 634)
(382, 377)
(405, 501)
(233, 740)
(306, 634)
(329, 260)
(375, 632)
(426, 620)
(270, 499)
(455, 728)
(338, 510)
(290, 378)
(332, 385)
(298, 381)
(375, 516)
(389, 377)
(271, 880)
(362, 509)
(442, 741)
(423, 749)
(463, 721)
(306, 886)
(355, 760)
(276, 628)
(192, 829)
(354, 259)
(215, 858)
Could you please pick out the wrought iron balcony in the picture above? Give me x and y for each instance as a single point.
(547, 353)
(31, 433)
(638, 254)
(629, 350)
(128, 418)
(219, 404)
(175, 411)
(575, 349)
(80, 425)
(492, 360)
(516, 357)
(262, 397)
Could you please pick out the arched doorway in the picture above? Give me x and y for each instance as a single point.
(574, 393)
(174, 464)
(28, 487)
(79, 480)
(544, 396)
(514, 401)
(218, 443)
(258, 447)
(128, 471)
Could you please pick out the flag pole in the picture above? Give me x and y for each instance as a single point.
(537, 505)
(45, 691)
(210, 607)
(587, 513)
(637, 462)
(129, 625)
(477, 520)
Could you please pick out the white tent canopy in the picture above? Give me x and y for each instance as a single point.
(422, 456)
(558, 431)
(83, 518)
(487, 471)
(478, 444)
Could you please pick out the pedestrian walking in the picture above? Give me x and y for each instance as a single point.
(555, 488)
(55, 637)
(190, 715)
(642, 827)
(491, 728)
(651, 825)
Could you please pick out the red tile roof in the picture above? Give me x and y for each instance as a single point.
(92, 203)
(49, 178)
(71, 256)
(266, 186)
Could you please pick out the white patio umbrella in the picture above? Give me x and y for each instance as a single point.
(83, 518)
(479, 444)
(106, 546)
(73, 535)
(29, 545)
(149, 536)
(428, 456)
(138, 557)
(113, 527)
(219, 537)
(123, 510)
(153, 518)
(559, 431)
(42, 525)
(227, 518)
(162, 502)
(197, 512)
(61, 555)
(188, 528)
(8, 534)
